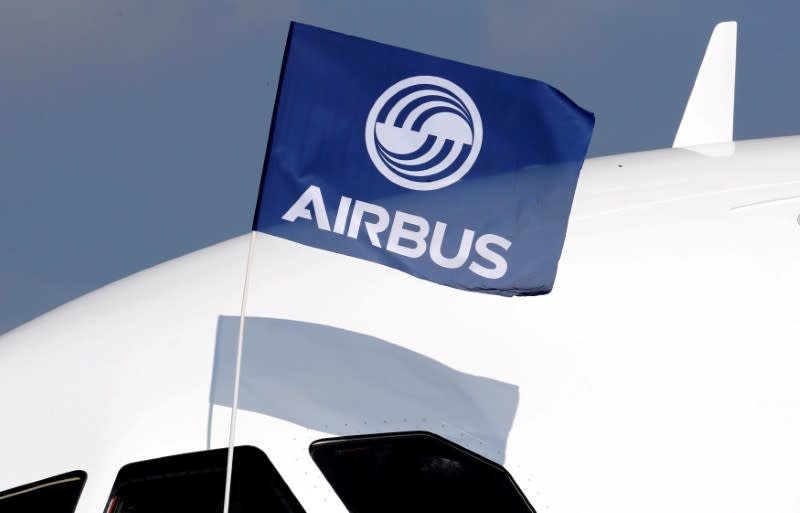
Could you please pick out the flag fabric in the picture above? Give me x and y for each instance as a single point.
(450, 172)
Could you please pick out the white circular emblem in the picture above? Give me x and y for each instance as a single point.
(424, 133)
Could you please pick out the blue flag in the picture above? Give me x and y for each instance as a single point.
(452, 173)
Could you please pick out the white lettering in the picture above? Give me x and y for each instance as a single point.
(400, 232)
(341, 215)
(372, 228)
(500, 264)
(463, 249)
(312, 196)
(408, 235)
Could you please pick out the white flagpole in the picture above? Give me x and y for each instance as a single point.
(235, 405)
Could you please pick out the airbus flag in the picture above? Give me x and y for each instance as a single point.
(450, 172)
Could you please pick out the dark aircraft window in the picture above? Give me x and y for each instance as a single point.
(195, 483)
(415, 471)
(57, 494)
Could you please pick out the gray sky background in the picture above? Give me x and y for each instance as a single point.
(132, 132)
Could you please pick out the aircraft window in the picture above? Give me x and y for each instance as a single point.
(415, 471)
(58, 494)
(195, 483)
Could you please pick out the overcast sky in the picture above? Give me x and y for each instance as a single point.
(132, 132)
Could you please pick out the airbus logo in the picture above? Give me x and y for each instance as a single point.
(403, 233)
(424, 133)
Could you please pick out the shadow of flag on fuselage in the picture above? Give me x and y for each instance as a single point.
(450, 172)
(343, 382)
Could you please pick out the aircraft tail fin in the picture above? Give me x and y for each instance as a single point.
(708, 117)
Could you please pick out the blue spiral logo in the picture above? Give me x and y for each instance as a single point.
(424, 133)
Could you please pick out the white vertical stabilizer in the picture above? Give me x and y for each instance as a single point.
(708, 117)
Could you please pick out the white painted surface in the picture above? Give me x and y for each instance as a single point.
(659, 375)
(708, 117)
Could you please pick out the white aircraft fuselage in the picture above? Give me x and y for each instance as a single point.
(659, 374)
